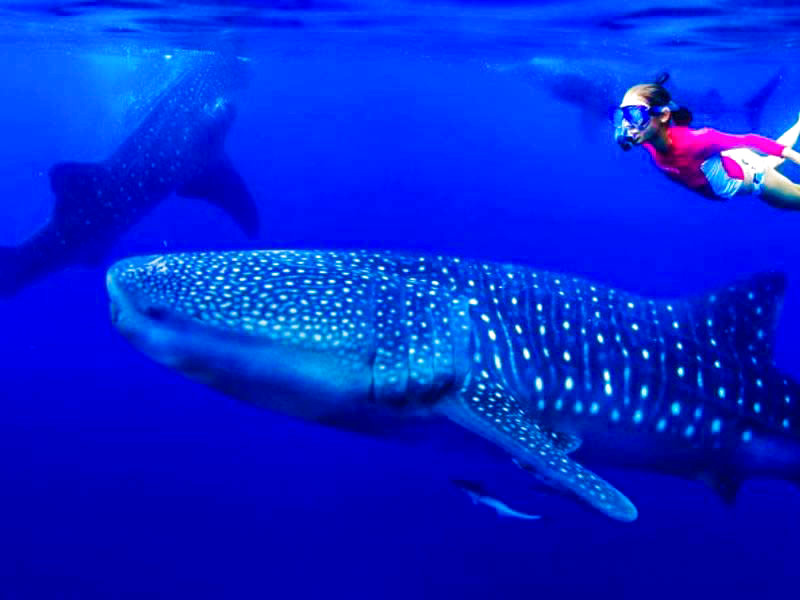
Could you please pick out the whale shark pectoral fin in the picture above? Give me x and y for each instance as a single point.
(221, 185)
(491, 412)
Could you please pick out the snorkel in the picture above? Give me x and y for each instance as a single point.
(624, 138)
(631, 118)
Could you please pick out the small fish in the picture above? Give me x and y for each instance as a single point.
(478, 495)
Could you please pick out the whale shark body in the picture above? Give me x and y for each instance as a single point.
(176, 147)
(542, 364)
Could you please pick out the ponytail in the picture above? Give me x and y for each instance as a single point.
(682, 116)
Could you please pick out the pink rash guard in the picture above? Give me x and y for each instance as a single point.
(689, 148)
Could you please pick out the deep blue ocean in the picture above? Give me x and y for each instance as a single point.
(471, 128)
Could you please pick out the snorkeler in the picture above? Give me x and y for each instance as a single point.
(715, 164)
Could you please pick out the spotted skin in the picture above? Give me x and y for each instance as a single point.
(542, 364)
(176, 148)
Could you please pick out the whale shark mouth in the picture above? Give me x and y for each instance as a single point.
(145, 316)
(125, 303)
(147, 326)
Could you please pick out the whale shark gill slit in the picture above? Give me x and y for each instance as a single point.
(744, 314)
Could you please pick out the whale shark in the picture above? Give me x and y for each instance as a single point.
(555, 370)
(176, 147)
(597, 87)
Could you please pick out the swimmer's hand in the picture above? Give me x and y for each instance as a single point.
(792, 155)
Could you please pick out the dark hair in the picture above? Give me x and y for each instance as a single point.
(657, 95)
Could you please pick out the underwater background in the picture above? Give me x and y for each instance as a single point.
(471, 128)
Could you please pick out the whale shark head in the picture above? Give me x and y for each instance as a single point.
(288, 331)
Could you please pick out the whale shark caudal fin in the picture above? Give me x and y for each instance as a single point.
(487, 409)
(222, 186)
(755, 106)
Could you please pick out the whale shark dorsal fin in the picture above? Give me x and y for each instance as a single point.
(487, 409)
(221, 185)
(745, 313)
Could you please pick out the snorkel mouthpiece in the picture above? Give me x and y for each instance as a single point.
(623, 138)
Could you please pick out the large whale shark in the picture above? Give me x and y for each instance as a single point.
(541, 364)
(176, 147)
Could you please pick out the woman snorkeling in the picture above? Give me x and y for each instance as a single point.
(715, 164)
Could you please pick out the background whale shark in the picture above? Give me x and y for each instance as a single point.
(594, 87)
(551, 368)
(176, 147)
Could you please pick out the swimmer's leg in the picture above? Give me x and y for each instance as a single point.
(789, 138)
(779, 191)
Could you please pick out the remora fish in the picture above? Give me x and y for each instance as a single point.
(478, 495)
(536, 362)
(177, 147)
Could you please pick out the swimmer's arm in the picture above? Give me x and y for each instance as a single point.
(714, 142)
(792, 155)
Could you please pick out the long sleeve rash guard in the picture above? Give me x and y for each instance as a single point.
(689, 148)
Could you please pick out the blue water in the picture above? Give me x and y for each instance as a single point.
(376, 125)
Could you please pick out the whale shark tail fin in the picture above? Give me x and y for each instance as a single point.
(754, 107)
(221, 185)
